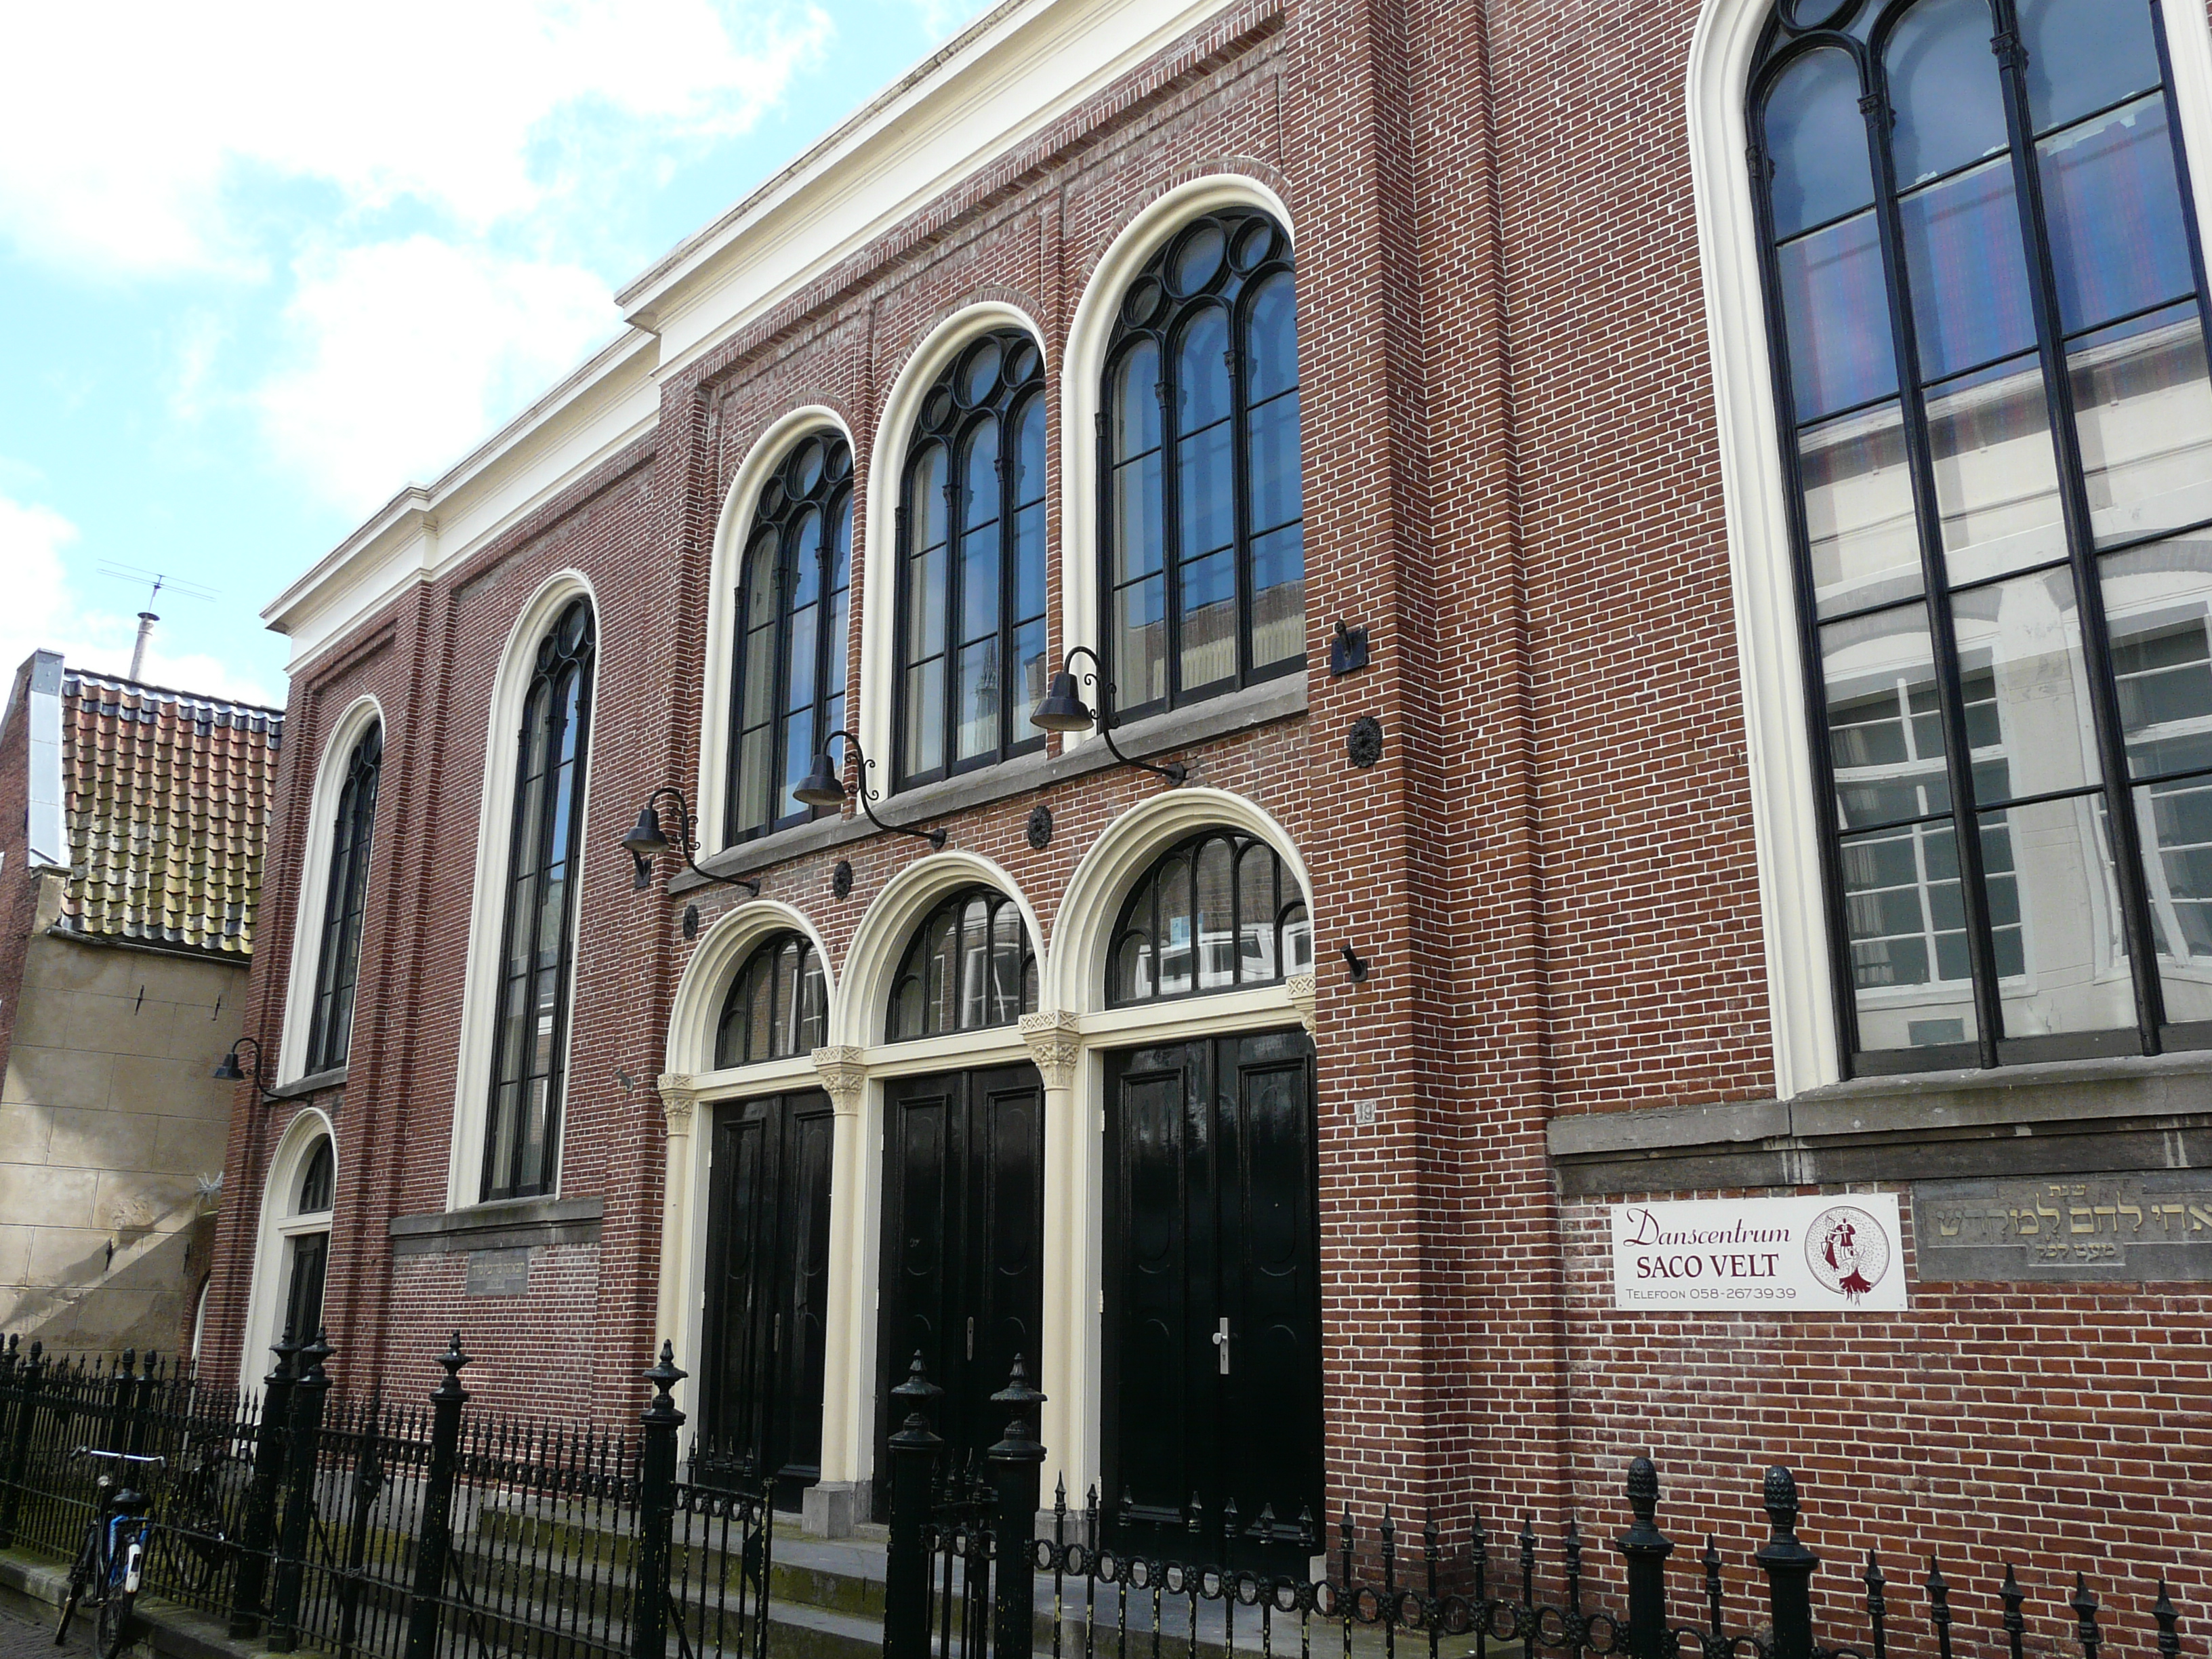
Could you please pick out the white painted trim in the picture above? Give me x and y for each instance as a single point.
(273, 1235)
(307, 914)
(1083, 366)
(1784, 817)
(887, 485)
(697, 1005)
(861, 1017)
(494, 814)
(1074, 973)
(732, 531)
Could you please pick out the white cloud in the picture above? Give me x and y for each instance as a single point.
(42, 614)
(139, 138)
(401, 356)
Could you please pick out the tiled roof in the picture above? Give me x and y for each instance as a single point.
(169, 797)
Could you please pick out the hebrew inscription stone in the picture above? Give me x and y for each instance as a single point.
(2134, 1226)
(499, 1272)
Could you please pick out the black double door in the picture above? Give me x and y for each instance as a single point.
(1212, 1317)
(767, 1287)
(964, 1246)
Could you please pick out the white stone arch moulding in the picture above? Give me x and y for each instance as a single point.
(1084, 362)
(886, 472)
(860, 1016)
(1074, 979)
(487, 897)
(712, 795)
(721, 951)
(272, 1239)
(313, 898)
(1785, 820)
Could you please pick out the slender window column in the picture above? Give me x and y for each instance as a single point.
(678, 1100)
(1070, 1229)
(847, 1393)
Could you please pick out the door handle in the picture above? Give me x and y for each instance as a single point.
(775, 1336)
(971, 1336)
(1221, 1345)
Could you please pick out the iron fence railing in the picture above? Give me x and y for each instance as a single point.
(384, 1531)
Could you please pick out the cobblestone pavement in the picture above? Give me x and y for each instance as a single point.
(26, 1631)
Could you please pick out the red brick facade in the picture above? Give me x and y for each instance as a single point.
(1513, 480)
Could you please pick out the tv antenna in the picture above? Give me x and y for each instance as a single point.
(159, 580)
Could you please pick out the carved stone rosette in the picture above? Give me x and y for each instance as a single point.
(1304, 992)
(842, 1075)
(1054, 1045)
(678, 1098)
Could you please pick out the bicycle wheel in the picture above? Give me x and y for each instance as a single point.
(115, 1623)
(79, 1576)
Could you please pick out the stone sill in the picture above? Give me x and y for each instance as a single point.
(1176, 729)
(512, 1224)
(313, 1082)
(2056, 1117)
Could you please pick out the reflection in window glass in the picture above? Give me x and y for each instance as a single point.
(1213, 913)
(777, 1006)
(969, 966)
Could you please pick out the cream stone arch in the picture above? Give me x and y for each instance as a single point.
(1784, 817)
(861, 1016)
(309, 912)
(1083, 364)
(886, 473)
(692, 1080)
(273, 1235)
(510, 687)
(715, 694)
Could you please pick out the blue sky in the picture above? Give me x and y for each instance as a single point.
(262, 264)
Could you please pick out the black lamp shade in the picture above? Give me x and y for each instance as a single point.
(645, 839)
(822, 786)
(1062, 709)
(227, 1069)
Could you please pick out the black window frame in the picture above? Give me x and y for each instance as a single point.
(317, 1180)
(1288, 897)
(779, 509)
(914, 963)
(760, 965)
(1150, 311)
(950, 418)
(1839, 25)
(346, 898)
(563, 656)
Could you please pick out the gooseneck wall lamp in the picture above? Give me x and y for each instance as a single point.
(824, 787)
(227, 1070)
(1064, 710)
(646, 842)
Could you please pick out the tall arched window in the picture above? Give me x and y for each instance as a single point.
(1216, 911)
(1200, 498)
(306, 1226)
(969, 965)
(330, 1029)
(789, 674)
(1989, 301)
(971, 570)
(530, 1039)
(778, 1005)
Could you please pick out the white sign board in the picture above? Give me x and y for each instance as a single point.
(1834, 1255)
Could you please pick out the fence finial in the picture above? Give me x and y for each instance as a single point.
(664, 1376)
(2169, 1629)
(2084, 1603)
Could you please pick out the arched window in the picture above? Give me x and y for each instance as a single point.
(789, 672)
(530, 1039)
(971, 570)
(1989, 304)
(1217, 911)
(330, 1031)
(969, 965)
(1201, 504)
(778, 1005)
(307, 1234)
(317, 1180)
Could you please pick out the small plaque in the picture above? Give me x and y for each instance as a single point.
(2129, 1225)
(1365, 1114)
(499, 1272)
(1835, 1254)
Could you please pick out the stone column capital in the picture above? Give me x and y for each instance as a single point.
(1054, 1044)
(1304, 991)
(842, 1074)
(679, 1096)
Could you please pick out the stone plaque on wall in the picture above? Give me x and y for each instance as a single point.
(2133, 1225)
(499, 1272)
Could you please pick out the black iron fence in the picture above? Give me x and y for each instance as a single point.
(367, 1528)
(968, 1577)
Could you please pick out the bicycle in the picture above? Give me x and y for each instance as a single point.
(111, 1563)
